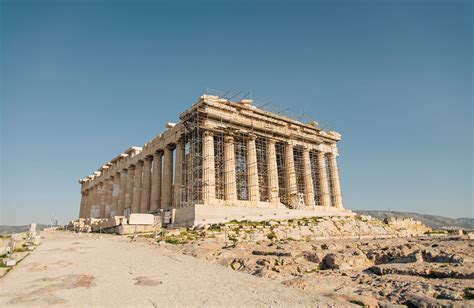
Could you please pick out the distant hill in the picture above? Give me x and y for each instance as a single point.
(435, 222)
(18, 229)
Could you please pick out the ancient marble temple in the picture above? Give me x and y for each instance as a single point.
(223, 160)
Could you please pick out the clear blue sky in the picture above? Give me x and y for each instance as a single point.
(84, 80)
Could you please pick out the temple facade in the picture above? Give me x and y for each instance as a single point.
(223, 160)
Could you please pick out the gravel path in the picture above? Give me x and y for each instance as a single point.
(92, 270)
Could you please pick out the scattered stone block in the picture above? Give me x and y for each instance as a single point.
(9, 262)
(141, 219)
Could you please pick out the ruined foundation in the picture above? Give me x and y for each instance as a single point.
(223, 161)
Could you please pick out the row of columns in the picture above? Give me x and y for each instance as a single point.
(142, 187)
(272, 173)
(148, 184)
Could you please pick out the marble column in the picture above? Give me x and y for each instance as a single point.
(323, 180)
(335, 183)
(208, 169)
(94, 206)
(146, 186)
(167, 181)
(129, 188)
(83, 204)
(123, 186)
(102, 196)
(308, 181)
(155, 198)
(178, 174)
(291, 188)
(252, 170)
(137, 187)
(108, 196)
(115, 194)
(229, 169)
(272, 169)
(87, 208)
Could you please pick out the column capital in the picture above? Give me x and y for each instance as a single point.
(229, 139)
(208, 133)
(157, 154)
(271, 141)
(252, 137)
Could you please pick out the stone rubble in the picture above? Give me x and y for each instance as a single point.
(357, 259)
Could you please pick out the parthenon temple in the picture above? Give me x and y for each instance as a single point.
(223, 160)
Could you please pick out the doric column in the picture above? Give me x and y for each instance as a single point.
(115, 194)
(272, 170)
(291, 188)
(178, 173)
(146, 186)
(167, 181)
(335, 183)
(94, 205)
(123, 186)
(229, 169)
(155, 198)
(102, 197)
(83, 204)
(129, 189)
(208, 169)
(108, 196)
(87, 204)
(137, 187)
(252, 171)
(308, 181)
(323, 180)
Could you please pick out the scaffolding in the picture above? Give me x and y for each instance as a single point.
(191, 190)
(313, 158)
(280, 157)
(219, 163)
(329, 179)
(262, 169)
(241, 170)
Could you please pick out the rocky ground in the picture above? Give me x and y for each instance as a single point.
(100, 270)
(410, 270)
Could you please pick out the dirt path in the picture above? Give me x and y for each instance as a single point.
(88, 270)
